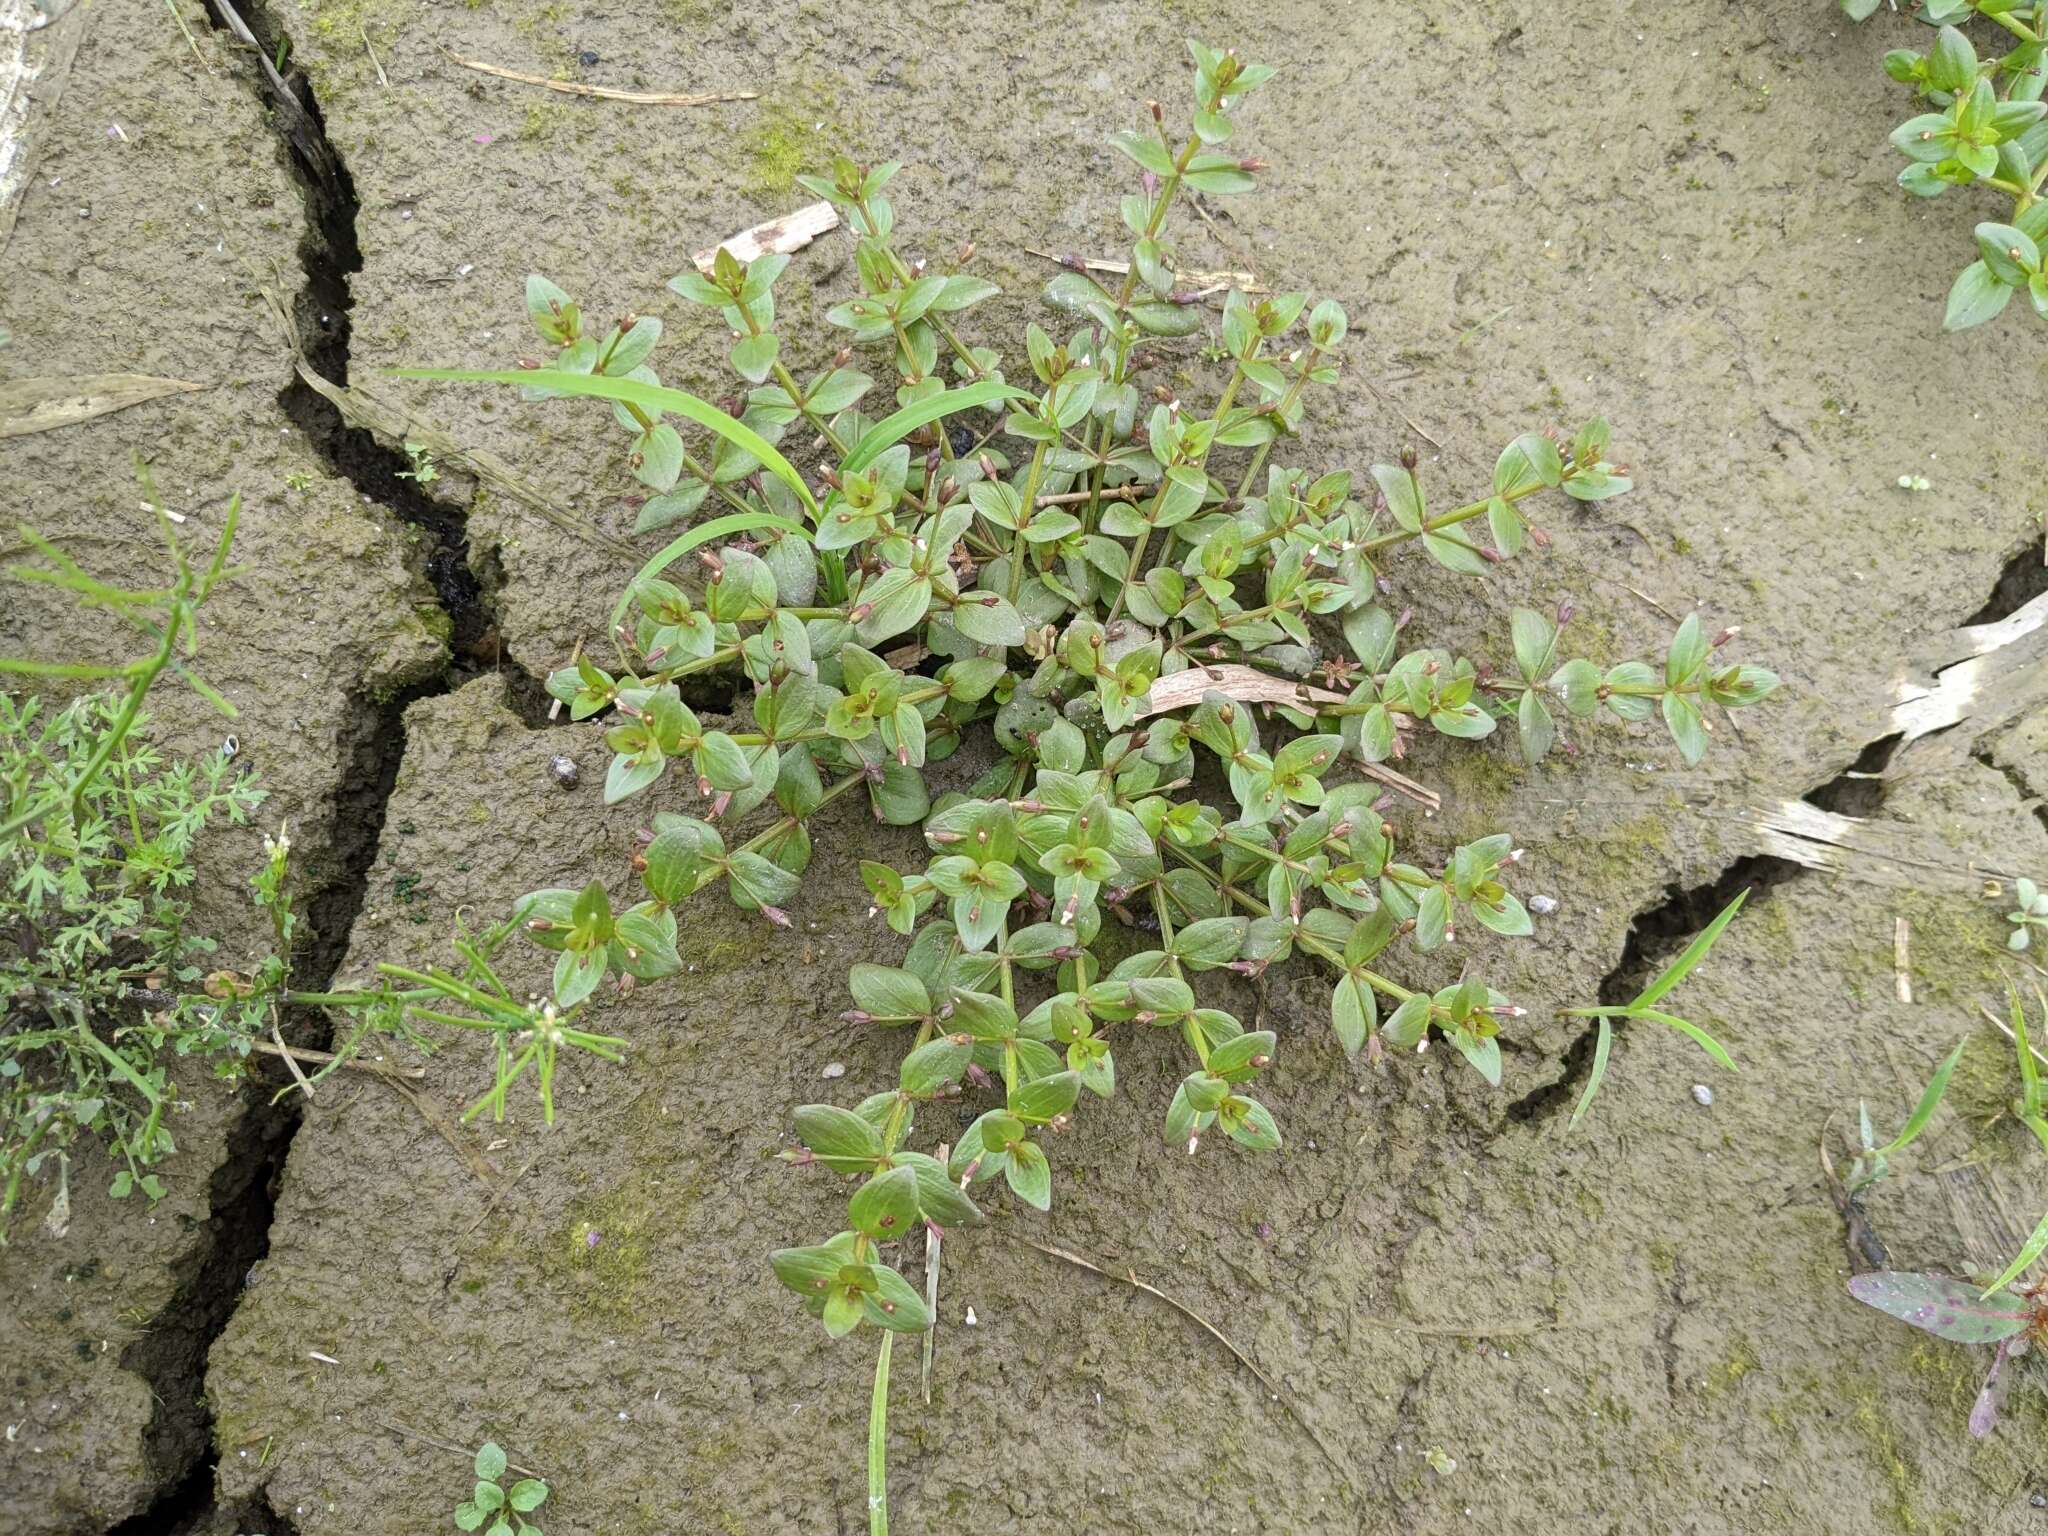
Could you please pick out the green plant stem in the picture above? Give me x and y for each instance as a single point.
(16, 1172)
(350, 999)
(2014, 25)
(1280, 414)
(1308, 943)
(1135, 571)
(1155, 220)
(788, 382)
(1018, 543)
(779, 828)
(1232, 620)
(930, 317)
(725, 493)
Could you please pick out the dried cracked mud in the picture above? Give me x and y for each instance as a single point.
(1682, 218)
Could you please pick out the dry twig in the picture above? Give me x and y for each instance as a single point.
(327, 1059)
(602, 92)
(784, 236)
(1207, 282)
(284, 1053)
(446, 1445)
(1246, 684)
(1130, 1278)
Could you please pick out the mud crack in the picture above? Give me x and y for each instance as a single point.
(171, 1353)
(1660, 931)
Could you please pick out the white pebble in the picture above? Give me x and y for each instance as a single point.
(834, 1069)
(1703, 1095)
(1543, 906)
(972, 1320)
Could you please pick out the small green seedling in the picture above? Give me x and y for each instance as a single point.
(2030, 912)
(1643, 1006)
(423, 471)
(505, 1508)
(1874, 1162)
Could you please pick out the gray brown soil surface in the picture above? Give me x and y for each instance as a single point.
(1680, 217)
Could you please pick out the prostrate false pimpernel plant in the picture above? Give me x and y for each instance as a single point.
(1988, 128)
(1061, 551)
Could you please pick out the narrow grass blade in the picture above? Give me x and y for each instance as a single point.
(1929, 1102)
(1707, 1042)
(1695, 952)
(2030, 1075)
(118, 1064)
(703, 533)
(2036, 1246)
(1601, 1047)
(891, 430)
(66, 668)
(878, 1443)
(653, 398)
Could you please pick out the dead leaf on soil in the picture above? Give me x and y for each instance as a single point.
(1246, 684)
(784, 236)
(41, 405)
(1205, 282)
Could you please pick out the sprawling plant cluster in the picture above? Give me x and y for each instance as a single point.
(1191, 674)
(1986, 128)
(102, 984)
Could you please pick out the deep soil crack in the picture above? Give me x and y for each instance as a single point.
(1659, 932)
(1654, 936)
(2024, 578)
(171, 1352)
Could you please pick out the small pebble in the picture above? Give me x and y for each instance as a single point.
(834, 1069)
(1703, 1095)
(972, 1320)
(1543, 906)
(587, 57)
(2039, 1501)
(564, 770)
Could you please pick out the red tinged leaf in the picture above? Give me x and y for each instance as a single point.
(1984, 1416)
(1946, 1307)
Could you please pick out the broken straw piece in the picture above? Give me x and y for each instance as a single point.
(784, 236)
